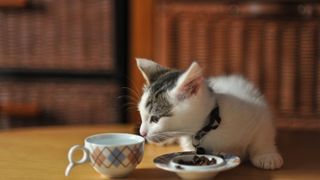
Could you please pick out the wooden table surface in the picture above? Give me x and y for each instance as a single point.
(41, 153)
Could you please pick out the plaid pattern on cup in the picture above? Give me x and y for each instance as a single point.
(121, 156)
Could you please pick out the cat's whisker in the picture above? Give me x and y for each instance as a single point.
(133, 92)
(156, 140)
(136, 88)
(158, 137)
(130, 89)
(135, 100)
(133, 83)
(131, 98)
(162, 138)
(125, 95)
(131, 103)
(171, 134)
(178, 131)
(129, 106)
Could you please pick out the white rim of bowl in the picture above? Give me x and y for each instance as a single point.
(140, 139)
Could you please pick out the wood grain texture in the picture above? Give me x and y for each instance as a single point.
(12, 3)
(41, 153)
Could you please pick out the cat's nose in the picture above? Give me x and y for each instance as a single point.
(143, 133)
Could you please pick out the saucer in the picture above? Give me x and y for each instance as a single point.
(164, 162)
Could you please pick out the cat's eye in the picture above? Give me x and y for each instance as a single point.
(154, 119)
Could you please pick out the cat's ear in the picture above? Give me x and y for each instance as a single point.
(150, 70)
(189, 82)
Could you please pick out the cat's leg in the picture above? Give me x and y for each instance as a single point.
(263, 151)
(186, 143)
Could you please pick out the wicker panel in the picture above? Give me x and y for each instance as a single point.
(235, 40)
(59, 34)
(271, 62)
(317, 66)
(288, 45)
(184, 30)
(277, 51)
(66, 102)
(307, 62)
(218, 44)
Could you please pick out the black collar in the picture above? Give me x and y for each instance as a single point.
(213, 123)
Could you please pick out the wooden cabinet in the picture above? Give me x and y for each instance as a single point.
(61, 55)
(275, 45)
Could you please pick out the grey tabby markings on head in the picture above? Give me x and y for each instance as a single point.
(157, 103)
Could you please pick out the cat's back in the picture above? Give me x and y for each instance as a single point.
(238, 87)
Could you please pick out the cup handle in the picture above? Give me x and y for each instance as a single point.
(72, 162)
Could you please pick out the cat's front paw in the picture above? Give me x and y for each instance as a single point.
(267, 161)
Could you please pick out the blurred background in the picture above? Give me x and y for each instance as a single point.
(71, 61)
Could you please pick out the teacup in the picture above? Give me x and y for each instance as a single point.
(112, 155)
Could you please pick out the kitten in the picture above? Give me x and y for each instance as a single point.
(178, 104)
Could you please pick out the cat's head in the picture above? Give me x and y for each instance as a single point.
(172, 100)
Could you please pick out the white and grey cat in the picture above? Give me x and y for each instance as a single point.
(177, 104)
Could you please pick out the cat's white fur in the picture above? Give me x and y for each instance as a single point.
(246, 129)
